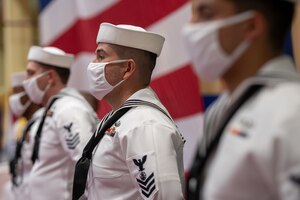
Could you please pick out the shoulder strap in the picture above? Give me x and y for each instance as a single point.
(150, 104)
(36, 146)
(197, 175)
(110, 120)
(24, 135)
(82, 166)
(14, 162)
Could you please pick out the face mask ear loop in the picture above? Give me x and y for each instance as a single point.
(40, 75)
(113, 62)
(27, 104)
(49, 84)
(47, 87)
(117, 61)
(118, 83)
(22, 94)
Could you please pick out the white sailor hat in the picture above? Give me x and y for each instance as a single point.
(130, 36)
(51, 56)
(17, 79)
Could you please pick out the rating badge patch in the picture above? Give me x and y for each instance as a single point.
(145, 177)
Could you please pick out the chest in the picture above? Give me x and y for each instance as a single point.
(50, 145)
(108, 158)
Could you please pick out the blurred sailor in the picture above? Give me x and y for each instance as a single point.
(67, 123)
(251, 149)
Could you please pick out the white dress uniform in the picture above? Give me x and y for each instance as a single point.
(258, 157)
(68, 126)
(139, 157)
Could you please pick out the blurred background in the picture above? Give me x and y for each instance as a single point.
(19, 30)
(72, 25)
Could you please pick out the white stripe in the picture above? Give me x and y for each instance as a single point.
(60, 15)
(78, 78)
(191, 128)
(88, 9)
(174, 54)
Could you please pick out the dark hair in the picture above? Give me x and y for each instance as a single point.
(144, 59)
(278, 13)
(63, 73)
(148, 58)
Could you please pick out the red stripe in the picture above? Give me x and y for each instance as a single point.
(82, 35)
(178, 91)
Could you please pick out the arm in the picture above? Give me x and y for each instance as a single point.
(287, 160)
(75, 127)
(153, 161)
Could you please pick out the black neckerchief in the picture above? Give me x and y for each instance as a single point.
(197, 173)
(83, 164)
(13, 164)
(37, 138)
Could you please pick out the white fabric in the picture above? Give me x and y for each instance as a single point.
(142, 131)
(99, 87)
(16, 106)
(202, 41)
(33, 90)
(8, 193)
(69, 125)
(130, 36)
(17, 79)
(258, 157)
(50, 56)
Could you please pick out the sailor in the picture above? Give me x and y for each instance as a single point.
(67, 123)
(137, 150)
(28, 114)
(251, 148)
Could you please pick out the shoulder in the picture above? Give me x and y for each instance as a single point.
(144, 116)
(68, 107)
(39, 113)
(70, 103)
(282, 99)
(273, 111)
(284, 94)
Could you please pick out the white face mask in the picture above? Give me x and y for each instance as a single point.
(98, 85)
(32, 89)
(16, 106)
(210, 61)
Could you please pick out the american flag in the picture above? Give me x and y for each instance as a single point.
(72, 25)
